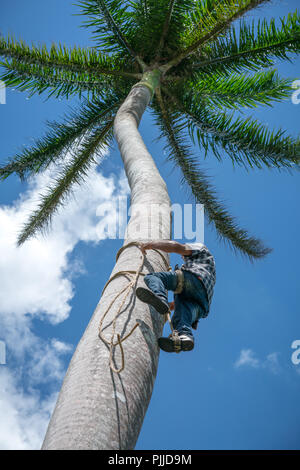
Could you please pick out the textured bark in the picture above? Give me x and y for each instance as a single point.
(96, 408)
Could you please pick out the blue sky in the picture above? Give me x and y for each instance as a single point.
(238, 389)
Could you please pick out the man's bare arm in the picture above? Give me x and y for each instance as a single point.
(169, 246)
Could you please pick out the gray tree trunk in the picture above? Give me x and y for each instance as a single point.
(97, 408)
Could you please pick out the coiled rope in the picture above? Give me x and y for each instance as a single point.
(132, 284)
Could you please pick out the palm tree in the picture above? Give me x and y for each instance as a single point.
(194, 65)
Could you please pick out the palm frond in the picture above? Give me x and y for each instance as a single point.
(165, 28)
(152, 27)
(239, 90)
(255, 46)
(59, 84)
(112, 25)
(209, 19)
(59, 57)
(60, 138)
(247, 142)
(201, 188)
(106, 8)
(74, 172)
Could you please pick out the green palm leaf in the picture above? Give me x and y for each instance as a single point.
(61, 72)
(201, 188)
(254, 46)
(106, 17)
(239, 90)
(35, 79)
(60, 138)
(209, 19)
(160, 24)
(75, 60)
(74, 172)
(246, 141)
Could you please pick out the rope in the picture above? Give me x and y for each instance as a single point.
(135, 275)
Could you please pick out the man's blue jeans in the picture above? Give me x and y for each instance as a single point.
(190, 305)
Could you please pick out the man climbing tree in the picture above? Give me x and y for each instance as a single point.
(192, 284)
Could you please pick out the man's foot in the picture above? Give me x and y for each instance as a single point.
(146, 295)
(176, 342)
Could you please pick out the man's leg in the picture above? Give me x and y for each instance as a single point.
(160, 282)
(194, 290)
(186, 313)
(156, 294)
(190, 305)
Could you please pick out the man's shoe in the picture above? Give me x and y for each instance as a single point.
(146, 295)
(176, 342)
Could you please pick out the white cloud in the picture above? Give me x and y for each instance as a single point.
(24, 416)
(36, 282)
(248, 358)
(45, 365)
(31, 363)
(34, 277)
(272, 363)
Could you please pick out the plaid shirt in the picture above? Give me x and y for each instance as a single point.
(201, 263)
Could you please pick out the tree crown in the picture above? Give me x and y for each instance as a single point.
(209, 62)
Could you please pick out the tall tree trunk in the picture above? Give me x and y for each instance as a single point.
(97, 408)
